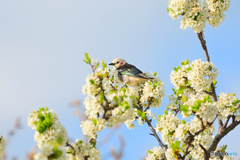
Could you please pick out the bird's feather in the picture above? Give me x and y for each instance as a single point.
(128, 69)
(131, 70)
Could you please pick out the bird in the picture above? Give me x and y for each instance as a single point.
(128, 74)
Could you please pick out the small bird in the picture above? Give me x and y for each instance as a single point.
(127, 73)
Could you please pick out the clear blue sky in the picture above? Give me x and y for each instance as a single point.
(42, 44)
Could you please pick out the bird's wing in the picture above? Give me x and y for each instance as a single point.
(129, 70)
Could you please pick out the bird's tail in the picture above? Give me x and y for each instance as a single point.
(143, 76)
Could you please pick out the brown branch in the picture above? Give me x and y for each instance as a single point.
(154, 133)
(226, 122)
(223, 129)
(204, 46)
(113, 87)
(149, 104)
(69, 145)
(204, 149)
(218, 137)
(86, 157)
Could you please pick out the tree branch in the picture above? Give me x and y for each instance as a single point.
(164, 147)
(223, 129)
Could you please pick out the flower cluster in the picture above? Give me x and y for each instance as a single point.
(216, 11)
(199, 105)
(153, 91)
(91, 127)
(81, 151)
(108, 102)
(156, 153)
(196, 15)
(50, 135)
(2, 146)
(228, 105)
(199, 75)
(51, 151)
(47, 126)
(167, 125)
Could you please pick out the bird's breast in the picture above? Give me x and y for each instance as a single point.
(131, 81)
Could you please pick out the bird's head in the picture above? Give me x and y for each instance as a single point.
(117, 62)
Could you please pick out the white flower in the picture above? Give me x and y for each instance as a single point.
(91, 127)
(48, 150)
(50, 135)
(228, 105)
(155, 153)
(216, 11)
(83, 149)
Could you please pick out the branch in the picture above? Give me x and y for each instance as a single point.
(226, 122)
(222, 127)
(205, 151)
(164, 147)
(204, 46)
(69, 145)
(219, 136)
(149, 103)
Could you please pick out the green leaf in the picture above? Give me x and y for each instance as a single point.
(92, 81)
(176, 68)
(196, 17)
(141, 114)
(180, 90)
(104, 65)
(112, 91)
(97, 65)
(177, 144)
(197, 103)
(94, 121)
(170, 133)
(149, 83)
(223, 148)
(189, 68)
(116, 99)
(174, 91)
(184, 108)
(184, 98)
(222, 1)
(57, 154)
(215, 82)
(194, 108)
(188, 84)
(155, 73)
(236, 102)
(126, 108)
(185, 62)
(87, 59)
(101, 96)
(94, 143)
(184, 122)
(59, 140)
(169, 9)
(150, 152)
(166, 112)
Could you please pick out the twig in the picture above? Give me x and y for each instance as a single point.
(223, 129)
(69, 145)
(164, 147)
(205, 151)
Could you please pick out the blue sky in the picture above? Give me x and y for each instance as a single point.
(42, 44)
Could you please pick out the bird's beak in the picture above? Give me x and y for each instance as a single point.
(112, 64)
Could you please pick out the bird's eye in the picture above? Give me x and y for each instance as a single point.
(117, 62)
